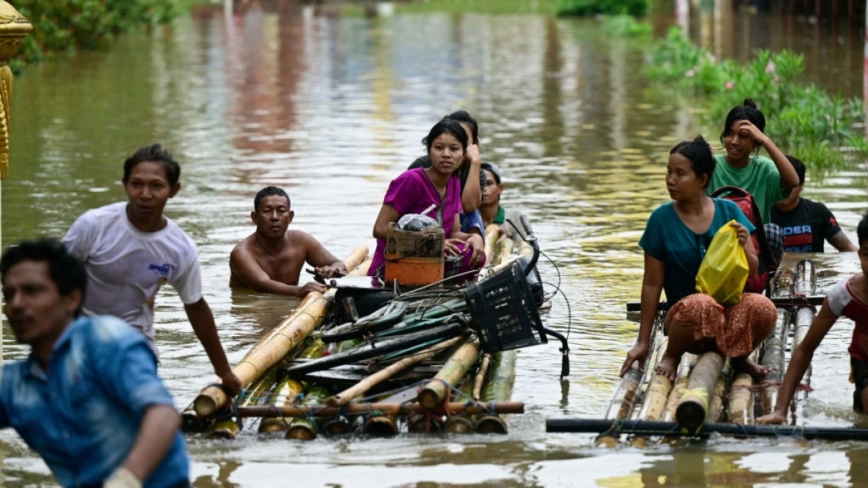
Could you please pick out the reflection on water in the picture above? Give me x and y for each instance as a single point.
(332, 109)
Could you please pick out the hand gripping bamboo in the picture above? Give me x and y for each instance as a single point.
(291, 332)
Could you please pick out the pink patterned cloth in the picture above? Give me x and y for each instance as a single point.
(737, 330)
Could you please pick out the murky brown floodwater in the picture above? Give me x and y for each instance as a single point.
(332, 109)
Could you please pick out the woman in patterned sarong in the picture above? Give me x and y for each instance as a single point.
(675, 240)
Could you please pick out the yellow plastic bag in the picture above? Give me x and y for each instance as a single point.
(724, 268)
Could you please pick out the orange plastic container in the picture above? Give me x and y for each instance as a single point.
(414, 258)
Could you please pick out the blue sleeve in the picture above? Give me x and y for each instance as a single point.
(652, 238)
(127, 366)
(5, 374)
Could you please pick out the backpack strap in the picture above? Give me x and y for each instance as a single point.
(766, 255)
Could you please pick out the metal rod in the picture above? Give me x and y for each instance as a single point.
(384, 408)
(673, 429)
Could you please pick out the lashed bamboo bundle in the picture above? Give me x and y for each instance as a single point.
(381, 425)
(291, 332)
(654, 404)
(288, 390)
(774, 347)
(719, 394)
(306, 428)
(498, 389)
(806, 285)
(434, 393)
(366, 384)
(692, 409)
(740, 404)
(286, 393)
(682, 376)
(461, 423)
(229, 428)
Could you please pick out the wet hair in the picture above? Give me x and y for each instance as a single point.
(65, 271)
(463, 117)
(746, 111)
(862, 231)
(153, 153)
(269, 191)
(699, 153)
(799, 166)
(446, 125)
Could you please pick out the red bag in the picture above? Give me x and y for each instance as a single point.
(767, 262)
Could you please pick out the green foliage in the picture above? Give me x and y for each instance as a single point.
(635, 8)
(625, 26)
(61, 25)
(801, 119)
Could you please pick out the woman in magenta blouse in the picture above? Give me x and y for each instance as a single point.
(419, 189)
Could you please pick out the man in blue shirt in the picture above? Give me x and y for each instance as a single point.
(88, 398)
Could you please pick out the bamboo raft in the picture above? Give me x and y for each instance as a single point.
(450, 386)
(706, 396)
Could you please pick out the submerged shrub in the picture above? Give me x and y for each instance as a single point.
(61, 25)
(802, 119)
(636, 8)
(625, 26)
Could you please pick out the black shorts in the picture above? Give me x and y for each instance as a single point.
(860, 378)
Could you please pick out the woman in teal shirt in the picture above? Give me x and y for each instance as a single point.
(675, 240)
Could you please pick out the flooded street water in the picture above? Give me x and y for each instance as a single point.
(332, 109)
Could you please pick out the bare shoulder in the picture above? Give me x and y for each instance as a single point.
(301, 238)
(245, 247)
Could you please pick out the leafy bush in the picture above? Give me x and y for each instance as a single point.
(802, 119)
(61, 25)
(636, 8)
(625, 26)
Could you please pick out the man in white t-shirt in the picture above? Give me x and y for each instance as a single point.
(130, 249)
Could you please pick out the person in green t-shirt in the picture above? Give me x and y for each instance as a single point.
(767, 180)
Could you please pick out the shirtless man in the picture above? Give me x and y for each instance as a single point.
(270, 259)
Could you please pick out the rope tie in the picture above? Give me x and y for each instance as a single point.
(231, 408)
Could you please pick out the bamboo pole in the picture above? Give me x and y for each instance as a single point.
(286, 393)
(366, 384)
(305, 428)
(774, 347)
(498, 389)
(741, 399)
(480, 376)
(380, 426)
(291, 333)
(719, 394)
(681, 378)
(461, 423)
(434, 393)
(806, 284)
(492, 234)
(692, 409)
(654, 405)
(471, 408)
(229, 428)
